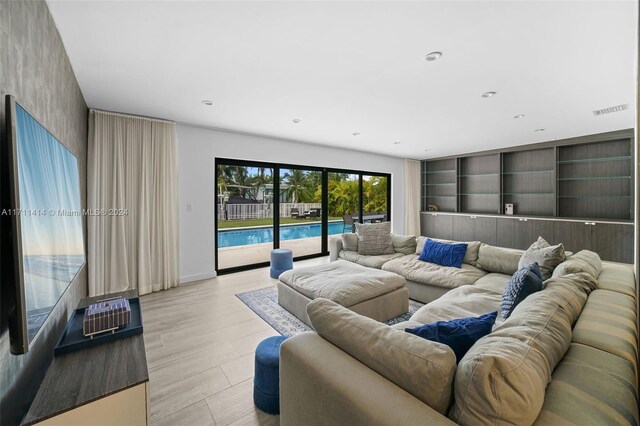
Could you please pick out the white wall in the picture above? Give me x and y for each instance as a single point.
(197, 149)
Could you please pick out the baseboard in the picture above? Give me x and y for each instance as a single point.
(197, 277)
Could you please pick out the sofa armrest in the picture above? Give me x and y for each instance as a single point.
(335, 247)
(322, 385)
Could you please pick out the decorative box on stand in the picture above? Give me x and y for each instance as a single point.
(106, 315)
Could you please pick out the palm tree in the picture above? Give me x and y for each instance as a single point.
(298, 185)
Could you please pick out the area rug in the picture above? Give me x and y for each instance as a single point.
(264, 302)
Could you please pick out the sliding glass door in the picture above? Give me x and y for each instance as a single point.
(245, 215)
(262, 206)
(301, 211)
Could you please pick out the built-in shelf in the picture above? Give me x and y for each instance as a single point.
(479, 175)
(480, 193)
(594, 160)
(432, 172)
(529, 172)
(594, 196)
(440, 184)
(583, 178)
(595, 178)
(530, 193)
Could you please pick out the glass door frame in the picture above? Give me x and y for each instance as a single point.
(276, 167)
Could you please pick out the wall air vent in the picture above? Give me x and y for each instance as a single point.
(609, 110)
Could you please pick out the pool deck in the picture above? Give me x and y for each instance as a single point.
(229, 257)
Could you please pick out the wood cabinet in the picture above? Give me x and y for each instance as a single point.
(612, 241)
(101, 385)
(437, 225)
(517, 232)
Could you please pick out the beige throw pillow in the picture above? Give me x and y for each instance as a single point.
(546, 255)
(349, 242)
(374, 238)
(423, 368)
(405, 244)
(498, 259)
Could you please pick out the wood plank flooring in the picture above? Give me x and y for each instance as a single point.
(200, 341)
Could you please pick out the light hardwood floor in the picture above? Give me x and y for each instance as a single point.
(200, 341)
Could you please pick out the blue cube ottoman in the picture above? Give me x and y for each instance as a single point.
(266, 380)
(281, 260)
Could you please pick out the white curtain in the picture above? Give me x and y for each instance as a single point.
(132, 196)
(412, 197)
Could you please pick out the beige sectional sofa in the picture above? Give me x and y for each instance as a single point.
(428, 281)
(566, 355)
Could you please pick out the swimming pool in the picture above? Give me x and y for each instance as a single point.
(243, 237)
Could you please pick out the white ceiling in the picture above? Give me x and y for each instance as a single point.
(345, 67)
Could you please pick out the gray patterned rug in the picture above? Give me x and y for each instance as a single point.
(264, 302)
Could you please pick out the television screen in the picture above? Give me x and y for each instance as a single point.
(47, 217)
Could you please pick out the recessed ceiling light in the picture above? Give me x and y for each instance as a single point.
(207, 102)
(296, 120)
(488, 94)
(539, 130)
(396, 143)
(433, 56)
(356, 134)
(518, 116)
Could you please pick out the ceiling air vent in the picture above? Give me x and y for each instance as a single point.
(609, 110)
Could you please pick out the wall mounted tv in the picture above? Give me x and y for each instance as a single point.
(47, 241)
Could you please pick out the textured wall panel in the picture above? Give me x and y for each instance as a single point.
(34, 67)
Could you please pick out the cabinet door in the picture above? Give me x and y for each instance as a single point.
(485, 230)
(575, 236)
(463, 228)
(520, 233)
(437, 225)
(613, 242)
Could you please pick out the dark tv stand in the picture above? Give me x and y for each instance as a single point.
(102, 385)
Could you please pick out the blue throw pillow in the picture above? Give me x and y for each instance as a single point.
(525, 281)
(459, 334)
(444, 254)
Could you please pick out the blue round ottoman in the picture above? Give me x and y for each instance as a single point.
(266, 381)
(281, 260)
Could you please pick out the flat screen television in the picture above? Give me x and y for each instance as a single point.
(45, 230)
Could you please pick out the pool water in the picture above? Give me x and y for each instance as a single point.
(243, 237)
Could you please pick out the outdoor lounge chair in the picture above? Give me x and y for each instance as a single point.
(348, 220)
(295, 213)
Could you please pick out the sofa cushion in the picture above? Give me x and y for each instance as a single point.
(494, 282)
(583, 261)
(444, 254)
(343, 282)
(429, 273)
(405, 244)
(470, 257)
(374, 238)
(502, 379)
(369, 261)
(462, 302)
(608, 322)
(526, 280)
(545, 255)
(498, 259)
(349, 242)
(617, 277)
(459, 334)
(590, 387)
(423, 368)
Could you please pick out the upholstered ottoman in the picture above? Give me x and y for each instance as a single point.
(266, 378)
(377, 294)
(281, 260)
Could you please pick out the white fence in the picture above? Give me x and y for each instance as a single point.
(260, 211)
